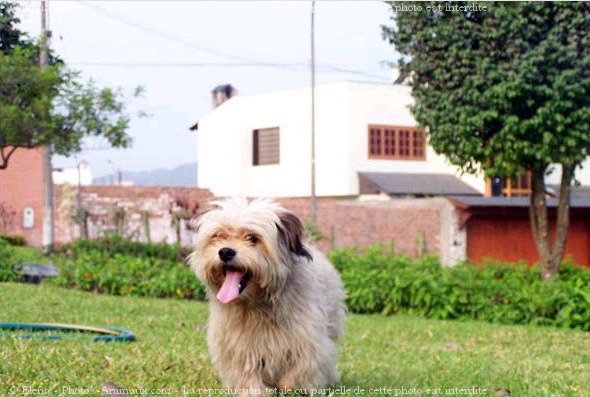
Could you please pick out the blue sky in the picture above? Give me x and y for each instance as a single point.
(180, 50)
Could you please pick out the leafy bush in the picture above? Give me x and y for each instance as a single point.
(114, 266)
(11, 255)
(14, 239)
(115, 244)
(377, 280)
(380, 281)
(7, 259)
(122, 274)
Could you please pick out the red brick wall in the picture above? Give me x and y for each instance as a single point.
(412, 226)
(21, 186)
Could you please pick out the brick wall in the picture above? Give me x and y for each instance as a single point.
(21, 186)
(134, 203)
(412, 226)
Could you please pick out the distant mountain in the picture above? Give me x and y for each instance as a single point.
(183, 175)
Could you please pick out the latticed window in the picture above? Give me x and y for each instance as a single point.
(375, 141)
(521, 186)
(266, 146)
(396, 143)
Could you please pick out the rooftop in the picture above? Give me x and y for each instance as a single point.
(414, 184)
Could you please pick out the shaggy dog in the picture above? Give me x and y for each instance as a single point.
(276, 303)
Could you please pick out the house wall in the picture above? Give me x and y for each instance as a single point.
(389, 105)
(225, 144)
(343, 113)
(21, 186)
(582, 174)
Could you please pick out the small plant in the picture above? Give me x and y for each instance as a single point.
(14, 239)
(145, 219)
(119, 215)
(313, 232)
(181, 213)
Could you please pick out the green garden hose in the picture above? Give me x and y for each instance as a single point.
(106, 334)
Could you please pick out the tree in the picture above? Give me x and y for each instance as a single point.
(503, 91)
(50, 106)
(10, 35)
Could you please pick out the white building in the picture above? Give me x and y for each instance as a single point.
(366, 143)
(72, 175)
(260, 145)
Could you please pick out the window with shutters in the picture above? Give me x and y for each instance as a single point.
(396, 143)
(266, 146)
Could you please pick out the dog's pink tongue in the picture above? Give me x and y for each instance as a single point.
(230, 289)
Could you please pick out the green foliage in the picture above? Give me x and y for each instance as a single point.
(506, 90)
(13, 239)
(11, 255)
(312, 231)
(117, 266)
(10, 35)
(50, 105)
(7, 261)
(128, 275)
(380, 281)
(115, 244)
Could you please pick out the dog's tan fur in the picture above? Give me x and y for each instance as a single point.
(281, 332)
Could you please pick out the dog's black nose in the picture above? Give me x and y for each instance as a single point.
(227, 254)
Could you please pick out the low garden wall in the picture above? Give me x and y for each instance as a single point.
(159, 214)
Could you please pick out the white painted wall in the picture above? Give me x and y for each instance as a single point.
(70, 176)
(343, 112)
(389, 105)
(582, 174)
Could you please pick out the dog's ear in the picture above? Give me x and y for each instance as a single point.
(291, 234)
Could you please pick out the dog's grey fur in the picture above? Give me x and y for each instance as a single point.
(281, 331)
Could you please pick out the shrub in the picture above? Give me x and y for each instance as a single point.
(7, 261)
(115, 244)
(11, 255)
(14, 239)
(123, 274)
(380, 281)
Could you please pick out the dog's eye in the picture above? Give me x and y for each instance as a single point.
(251, 238)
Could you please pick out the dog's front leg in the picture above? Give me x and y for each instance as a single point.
(251, 385)
(308, 378)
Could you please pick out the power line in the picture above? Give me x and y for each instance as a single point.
(321, 68)
(170, 37)
(185, 64)
(242, 61)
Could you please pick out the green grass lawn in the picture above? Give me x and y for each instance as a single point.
(393, 352)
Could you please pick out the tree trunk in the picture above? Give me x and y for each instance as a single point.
(550, 255)
(563, 217)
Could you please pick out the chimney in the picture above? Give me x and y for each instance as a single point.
(222, 93)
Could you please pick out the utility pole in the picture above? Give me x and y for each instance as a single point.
(313, 194)
(48, 236)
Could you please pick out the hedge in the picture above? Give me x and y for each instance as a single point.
(380, 281)
(377, 280)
